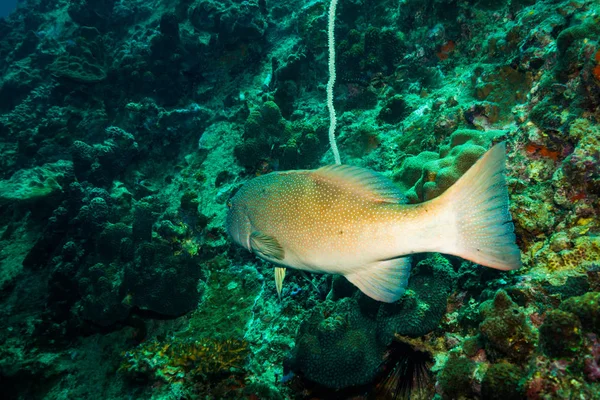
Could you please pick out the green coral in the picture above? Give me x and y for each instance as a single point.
(391, 45)
(270, 137)
(505, 329)
(114, 239)
(423, 305)
(342, 344)
(502, 381)
(84, 62)
(42, 184)
(560, 334)
(78, 69)
(586, 308)
(264, 130)
(376, 52)
(336, 346)
(428, 175)
(456, 377)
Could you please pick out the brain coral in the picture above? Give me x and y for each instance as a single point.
(428, 175)
(342, 344)
(424, 304)
(337, 347)
(83, 62)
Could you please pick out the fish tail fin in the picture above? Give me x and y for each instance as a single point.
(478, 204)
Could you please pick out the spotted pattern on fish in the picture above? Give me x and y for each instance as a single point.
(355, 222)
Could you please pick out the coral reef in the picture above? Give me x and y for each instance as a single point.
(502, 381)
(178, 360)
(126, 126)
(338, 347)
(428, 175)
(505, 329)
(343, 344)
(560, 334)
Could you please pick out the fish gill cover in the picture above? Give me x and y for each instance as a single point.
(126, 127)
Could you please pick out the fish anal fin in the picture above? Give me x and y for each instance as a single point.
(384, 281)
(266, 246)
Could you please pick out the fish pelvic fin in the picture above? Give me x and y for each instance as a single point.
(279, 276)
(479, 206)
(384, 281)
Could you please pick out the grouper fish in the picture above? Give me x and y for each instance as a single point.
(354, 222)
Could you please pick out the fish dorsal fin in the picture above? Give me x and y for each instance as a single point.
(364, 182)
(266, 246)
(384, 281)
(279, 276)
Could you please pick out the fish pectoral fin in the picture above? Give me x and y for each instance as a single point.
(279, 276)
(384, 281)
(267, 246)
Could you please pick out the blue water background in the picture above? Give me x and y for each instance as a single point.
(7, 6)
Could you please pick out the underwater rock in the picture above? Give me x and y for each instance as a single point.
(39, 184)
(501, 87)
(394, 110)
(533, 216)
(505, 329)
